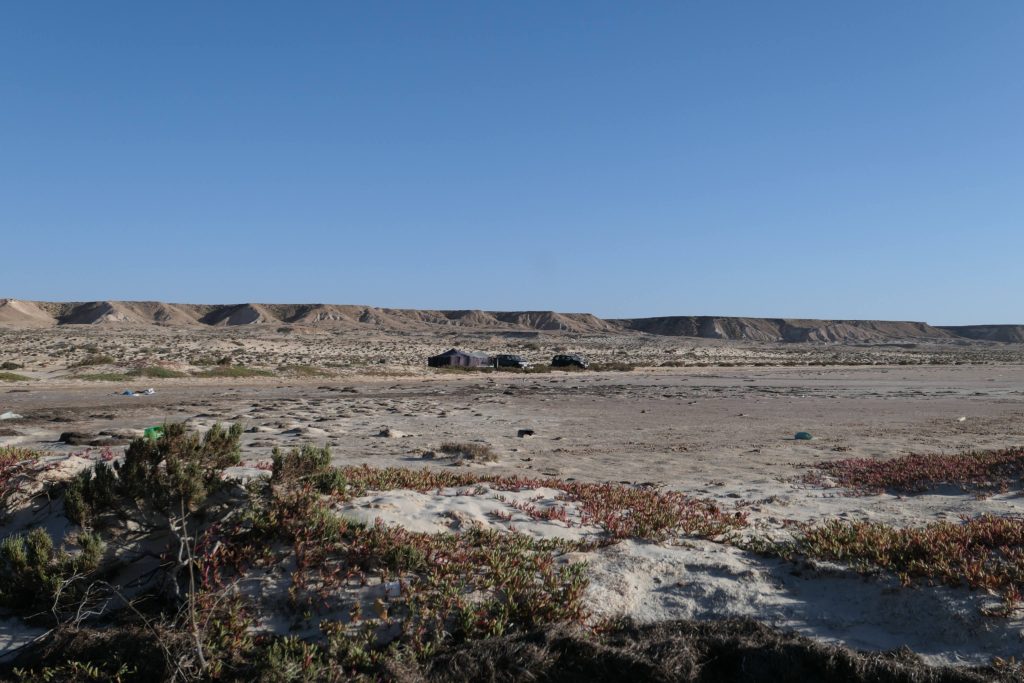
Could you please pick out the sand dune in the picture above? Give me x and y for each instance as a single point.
(16, 314)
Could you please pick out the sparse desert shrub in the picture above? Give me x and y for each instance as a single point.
(9, 365)
(480, 452)
(93, 359)
(984, 470)
(307, 464)
(12, 377)
(304, 370)
(233, 371)
(613, 366)
(157, 372)
(33, 573)
(104, 377)
(175, 472)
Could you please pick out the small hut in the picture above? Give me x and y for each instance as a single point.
(454, 358)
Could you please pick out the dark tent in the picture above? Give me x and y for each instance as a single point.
(459, 359)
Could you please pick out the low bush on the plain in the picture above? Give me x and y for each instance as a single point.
(157, 372)
(93, 359)
(479, 452)
(10, 365)
(303, 371)
(171, 475)
(37, 577)
(983, 470)
(236, 371)
(613, 366)
(104, 377)
(12, 377)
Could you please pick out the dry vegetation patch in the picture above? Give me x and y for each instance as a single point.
(234, 371)
(12, 462)
(13, 377)
(985, 552)
(477, 451)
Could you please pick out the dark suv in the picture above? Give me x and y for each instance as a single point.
(569, 361)
(508, 360)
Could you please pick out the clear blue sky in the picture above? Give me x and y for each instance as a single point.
(815, 159)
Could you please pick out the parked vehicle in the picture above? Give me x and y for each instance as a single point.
(508, 360)
(569, 360)
(454, 358)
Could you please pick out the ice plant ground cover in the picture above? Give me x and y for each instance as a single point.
(984, 552)
(985, 470)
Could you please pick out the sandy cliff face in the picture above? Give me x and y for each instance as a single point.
(15, 314)
(788, 329)
(996, 333)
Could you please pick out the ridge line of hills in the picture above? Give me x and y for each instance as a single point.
(19, 314)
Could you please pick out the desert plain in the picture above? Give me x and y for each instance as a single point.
(712, 419)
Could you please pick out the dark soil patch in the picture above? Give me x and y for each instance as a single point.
(731, 650)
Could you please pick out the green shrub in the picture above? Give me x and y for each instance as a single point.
(93, 359)
(8, 365)
(307, 464)
(304, 371)
(470, 451)
(12, 377)
(175, 472)
(234, 371)
(33, 572)
(157, 372)
(613, 367)
(104, 377)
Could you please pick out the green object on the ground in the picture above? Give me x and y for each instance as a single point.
(803, 436)
(153, 433)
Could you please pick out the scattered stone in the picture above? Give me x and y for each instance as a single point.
(389, 433)
(525, 432)
(86, 439)
(803, 436)
(75, 438)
